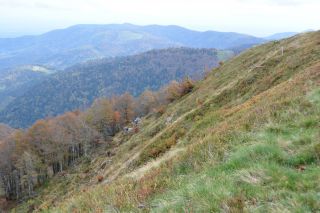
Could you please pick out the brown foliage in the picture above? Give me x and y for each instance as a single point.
(136, 129)
(116, 117)
(125, 105)
(187, 86)
(148, 185)
(146, 102)
(100, 178)
(176, 90)
(236, 204)
(160, 110)
(200, 102)
(173, 91)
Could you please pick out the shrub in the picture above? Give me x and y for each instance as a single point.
(160, 110)
(187, 86)
(176, 90)
(100, 178)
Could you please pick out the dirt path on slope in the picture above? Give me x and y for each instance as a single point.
(139, 173)
(139, 150)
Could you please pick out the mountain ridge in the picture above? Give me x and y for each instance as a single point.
(65, 47)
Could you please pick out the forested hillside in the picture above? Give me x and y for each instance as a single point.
(5, 131)
(15, 81)
(78, 86)
(244, 139)
(28, 159)
(66, 47)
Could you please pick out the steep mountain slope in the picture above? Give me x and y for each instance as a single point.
(14, 82)
(62, 48)
(80, 85)
(245, 140)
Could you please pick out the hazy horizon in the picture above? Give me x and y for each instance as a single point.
(15, 35)
(259, 18)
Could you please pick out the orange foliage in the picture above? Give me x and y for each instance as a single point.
(116, 117)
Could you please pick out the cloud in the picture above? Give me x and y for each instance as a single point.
(257, 17)
(289, 2)
(15, 3)
(280, 2)
(41, 5)
(34, 4)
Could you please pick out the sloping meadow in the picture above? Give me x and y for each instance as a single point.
(246, 139)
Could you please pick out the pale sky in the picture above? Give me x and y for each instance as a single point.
(255, 17)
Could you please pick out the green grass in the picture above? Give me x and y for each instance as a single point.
(272, 167)
(250, 137)
(260, 174)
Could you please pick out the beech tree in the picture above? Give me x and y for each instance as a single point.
(173, 91)
(125, 105)
(146, 103)
(116, 122)
(101, 116)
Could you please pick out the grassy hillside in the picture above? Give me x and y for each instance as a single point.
(80, 85)
(245, 140)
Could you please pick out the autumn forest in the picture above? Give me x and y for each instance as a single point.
(29, 158)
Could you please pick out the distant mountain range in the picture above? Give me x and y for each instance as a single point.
(66, 47)
(79, 85)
